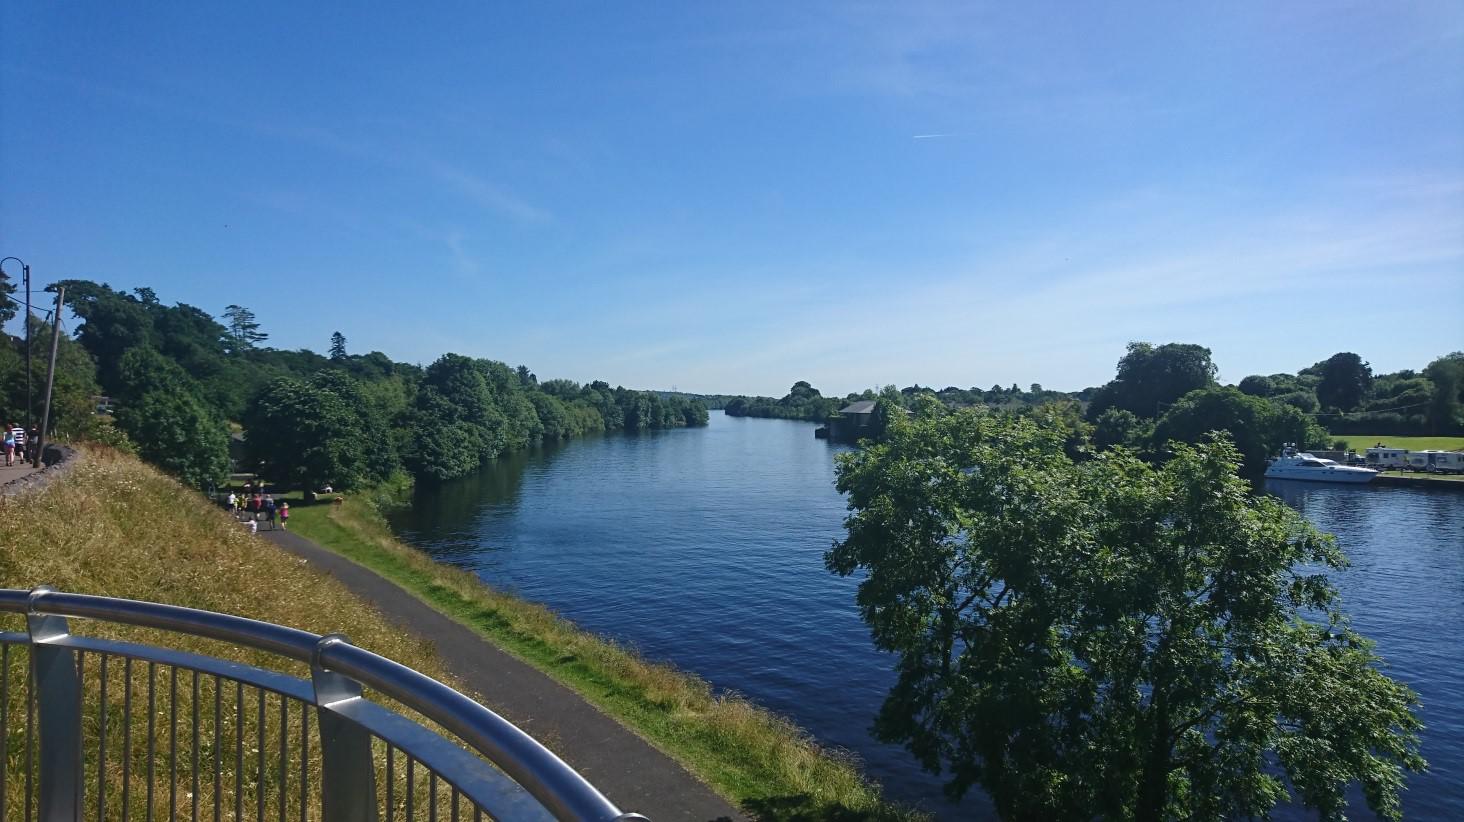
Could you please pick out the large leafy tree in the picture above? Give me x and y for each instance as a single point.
(305, 434)
(163, 412)
(1107, 638)
(1152, 377)
(1445, 401)
(1258, 427)
(1345, 380)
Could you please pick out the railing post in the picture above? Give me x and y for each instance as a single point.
(348, 776)
(58, 698)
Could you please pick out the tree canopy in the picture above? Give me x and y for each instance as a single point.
(1345, 380)
(1151, 377)
(1106, 637)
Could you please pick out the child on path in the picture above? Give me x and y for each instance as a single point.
(284, 516)
(269, 516)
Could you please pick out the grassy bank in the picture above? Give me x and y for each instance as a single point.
(757, 760)
(1361, 442)
(117, 527)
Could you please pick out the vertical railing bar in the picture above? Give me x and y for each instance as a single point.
(431, 795)
(454, 813)
(172, 743)
(218, 756)
(304, 758)
(30, 722)
(102, 741)
(259, 782)
(152, 743)
(193, 753)
(238, 750)
(4, 722)
(78, 757)
(390, 782)
(284, 753)
(126, 738)
(477, 813)
(411, 798)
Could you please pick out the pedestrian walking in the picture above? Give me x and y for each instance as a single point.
(20, 440)
(284, 515)
(269, 516)
(232, 500)
(9, 447)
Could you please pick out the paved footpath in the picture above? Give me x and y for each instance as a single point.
(10, 473)
(626, 768)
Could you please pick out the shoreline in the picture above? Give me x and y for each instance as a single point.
(756, 760)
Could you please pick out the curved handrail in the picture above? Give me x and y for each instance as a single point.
(543, 774)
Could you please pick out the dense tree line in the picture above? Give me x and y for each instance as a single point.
(179, 378)
(1345, 395)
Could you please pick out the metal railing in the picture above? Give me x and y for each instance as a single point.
(121, 730)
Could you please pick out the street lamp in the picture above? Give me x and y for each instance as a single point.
(30, 420)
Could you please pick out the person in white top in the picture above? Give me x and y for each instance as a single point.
(19, 434)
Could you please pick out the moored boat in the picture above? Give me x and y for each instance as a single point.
(1299, 465)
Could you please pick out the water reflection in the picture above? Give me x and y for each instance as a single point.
(705, 548)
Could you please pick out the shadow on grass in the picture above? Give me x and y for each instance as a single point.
(805, 808)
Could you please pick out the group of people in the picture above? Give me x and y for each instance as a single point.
(254, 505)
(16, 438)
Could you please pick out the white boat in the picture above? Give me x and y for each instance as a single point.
(1299, 465)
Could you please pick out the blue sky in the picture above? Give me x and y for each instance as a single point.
(731, 197)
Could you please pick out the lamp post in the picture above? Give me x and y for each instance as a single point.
(30, 415)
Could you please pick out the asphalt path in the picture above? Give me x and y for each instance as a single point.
(630, 771)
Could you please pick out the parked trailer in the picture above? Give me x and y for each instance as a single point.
(1446, 462)
(1383, 457)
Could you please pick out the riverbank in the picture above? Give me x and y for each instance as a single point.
(1414, 479)
(757, 760)
(1361, 442)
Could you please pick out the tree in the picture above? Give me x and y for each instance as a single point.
(243, 329)
(306, 435)
(8, 306)
(1109, 639)
(1345, 381)
(179, 433)
(1150, 378)
(1116, 427)
(1447, 375)
(1258, 427)
(337, 346)
(1257, 386)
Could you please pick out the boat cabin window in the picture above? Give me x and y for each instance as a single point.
(1313, 464)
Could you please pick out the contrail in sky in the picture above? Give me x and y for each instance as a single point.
(938, 136)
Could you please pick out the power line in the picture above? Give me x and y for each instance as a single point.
(1366, 411)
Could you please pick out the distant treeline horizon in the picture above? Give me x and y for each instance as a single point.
(180, 379)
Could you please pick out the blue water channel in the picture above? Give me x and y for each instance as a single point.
(704, 548)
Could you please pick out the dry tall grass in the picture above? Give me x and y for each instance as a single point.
(117, 527)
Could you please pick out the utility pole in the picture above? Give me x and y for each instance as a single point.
(50, 377)
(30, 405)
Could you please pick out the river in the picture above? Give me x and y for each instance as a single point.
(704, 548)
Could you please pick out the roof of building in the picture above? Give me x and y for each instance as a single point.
(861, 407)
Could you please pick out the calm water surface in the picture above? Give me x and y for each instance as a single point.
(704, 548)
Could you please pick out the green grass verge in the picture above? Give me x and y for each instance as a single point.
(1414, 475)
(757, 760)
(1361, 442)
